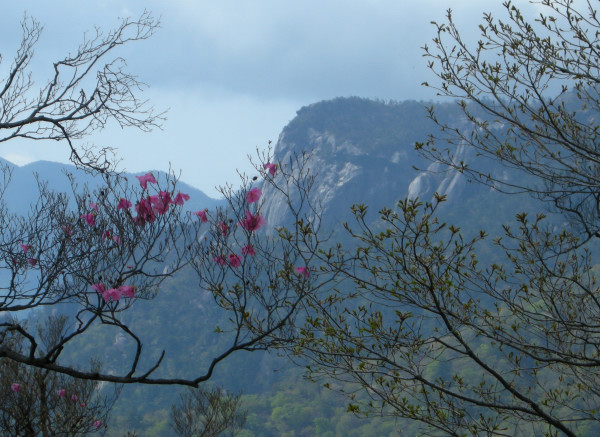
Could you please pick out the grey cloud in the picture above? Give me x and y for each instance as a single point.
(272, 49)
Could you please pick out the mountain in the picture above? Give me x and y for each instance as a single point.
(363, 151)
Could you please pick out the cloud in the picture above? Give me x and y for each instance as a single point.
(208, 135)
(303, 49)
(234, 72)
(270, 49)
(18, 159)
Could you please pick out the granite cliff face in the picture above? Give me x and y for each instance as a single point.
(363, 152)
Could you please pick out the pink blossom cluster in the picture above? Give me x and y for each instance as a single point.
(202, 216)
(253, 195)
(149, 207)
(251, 222)
(223, 228)
(148, 177)
(114, 294)
(270, 168)
(234, 260)
(90, 219)
(248, 250)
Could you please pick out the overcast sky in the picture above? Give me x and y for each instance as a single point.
(233, 73)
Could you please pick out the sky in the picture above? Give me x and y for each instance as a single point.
(233, 73)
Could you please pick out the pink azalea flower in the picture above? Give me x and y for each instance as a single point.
(124, 204)
(252, 222)
(108, 295)
(82, 405)
(74, 398)
(234, 260)
(61, 393)
(303, 271)
(223, 228)
(145, 212)
(32, 262)
(106, 235)
(253, 195)
(15, 387)
(94, 206)
(270, 168)
(160, 202)
(97, 424)
(89, 218)
(148, 177)
(117, 240)
(248, 250)
(202, 216)
(180, 198)
(113, 294)
(26, 247)
(67, 230)
(220, 260)
(126, 290)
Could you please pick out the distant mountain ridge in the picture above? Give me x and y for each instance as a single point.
(23, 186)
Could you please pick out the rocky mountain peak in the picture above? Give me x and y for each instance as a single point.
(362, 152)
